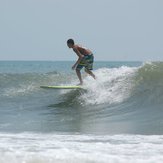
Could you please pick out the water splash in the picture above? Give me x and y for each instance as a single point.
(112, 86)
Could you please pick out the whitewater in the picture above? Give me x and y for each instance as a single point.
(116, 118)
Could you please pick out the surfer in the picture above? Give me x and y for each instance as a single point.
(85, 59)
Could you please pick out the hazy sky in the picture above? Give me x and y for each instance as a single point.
(112, 29)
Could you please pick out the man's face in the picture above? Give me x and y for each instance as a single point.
(70, 45)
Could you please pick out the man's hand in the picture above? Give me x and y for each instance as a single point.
(73, 67)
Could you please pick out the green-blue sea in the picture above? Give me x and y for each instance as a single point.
(116, 118)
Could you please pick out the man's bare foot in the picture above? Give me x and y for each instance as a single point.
(80, 84)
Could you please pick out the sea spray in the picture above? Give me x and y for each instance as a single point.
(111, 86)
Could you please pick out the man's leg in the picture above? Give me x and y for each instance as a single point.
(90, 73)
(79, 76)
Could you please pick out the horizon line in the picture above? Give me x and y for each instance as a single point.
(74, 60)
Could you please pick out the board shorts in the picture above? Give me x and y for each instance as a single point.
(86, 62)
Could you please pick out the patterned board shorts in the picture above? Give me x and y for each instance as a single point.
(86, 62)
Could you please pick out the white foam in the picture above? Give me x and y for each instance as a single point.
(49, 148)
(111, 86)
(21, 90)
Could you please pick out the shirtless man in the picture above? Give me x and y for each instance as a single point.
(85, 59)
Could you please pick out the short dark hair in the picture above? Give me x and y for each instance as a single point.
(70, 41)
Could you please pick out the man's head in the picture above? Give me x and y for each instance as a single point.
(70, 43)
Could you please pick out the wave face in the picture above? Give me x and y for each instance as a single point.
(122, 99)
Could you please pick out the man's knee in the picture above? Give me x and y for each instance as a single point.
(77, 70)
(88, 71)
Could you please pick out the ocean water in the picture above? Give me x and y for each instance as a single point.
(117, 118)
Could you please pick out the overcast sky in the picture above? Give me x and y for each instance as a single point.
(113, 29)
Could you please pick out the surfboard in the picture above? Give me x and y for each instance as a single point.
(62, 87)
